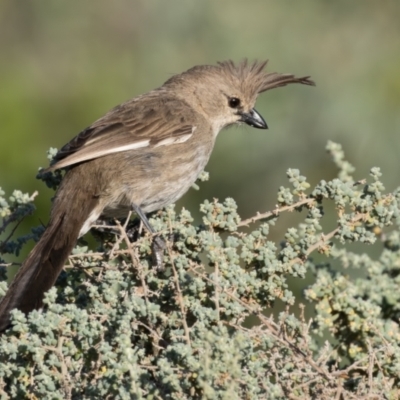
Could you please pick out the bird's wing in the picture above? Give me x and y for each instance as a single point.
(149, 120)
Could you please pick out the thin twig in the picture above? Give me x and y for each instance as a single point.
(121, 238)
(180, 299)
(324, 239)
(371, 357)
(10, 264)
(134, 259)
(339, 391)
(4, 242)
(216, 295)
(276, 212)
(64, 369)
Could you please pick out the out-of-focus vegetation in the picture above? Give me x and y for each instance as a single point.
(64, 64)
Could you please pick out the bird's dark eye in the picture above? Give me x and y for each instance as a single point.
(234, 102)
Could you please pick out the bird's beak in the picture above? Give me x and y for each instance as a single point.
(254, 119)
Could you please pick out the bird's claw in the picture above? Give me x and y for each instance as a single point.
(158, 246)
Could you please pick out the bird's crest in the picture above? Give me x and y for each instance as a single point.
(253, 76)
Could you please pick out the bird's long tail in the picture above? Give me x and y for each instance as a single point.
(40, 270)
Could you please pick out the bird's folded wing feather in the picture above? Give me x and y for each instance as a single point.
(133, 125)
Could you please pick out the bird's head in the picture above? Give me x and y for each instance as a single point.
(226, 93)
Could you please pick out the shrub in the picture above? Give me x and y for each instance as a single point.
(202, 328)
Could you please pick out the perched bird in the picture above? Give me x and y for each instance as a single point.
(141, 156)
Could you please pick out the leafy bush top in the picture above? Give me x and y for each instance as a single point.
(115, 328)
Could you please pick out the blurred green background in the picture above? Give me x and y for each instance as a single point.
(64, 64)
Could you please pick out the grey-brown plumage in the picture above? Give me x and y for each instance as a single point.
(142, 155)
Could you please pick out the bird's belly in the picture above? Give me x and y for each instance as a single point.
(156, 190)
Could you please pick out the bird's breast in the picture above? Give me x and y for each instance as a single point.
(155, 178)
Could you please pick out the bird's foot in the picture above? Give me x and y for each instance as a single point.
(158, 246)
(133, 230)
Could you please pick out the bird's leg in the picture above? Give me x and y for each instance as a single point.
(158, 244)
(133, 229)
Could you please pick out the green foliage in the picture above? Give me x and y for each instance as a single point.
(115, 328)
(12, 212)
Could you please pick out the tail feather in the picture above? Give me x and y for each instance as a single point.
(43, 265)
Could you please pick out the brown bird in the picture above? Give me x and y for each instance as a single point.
(141, 156)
